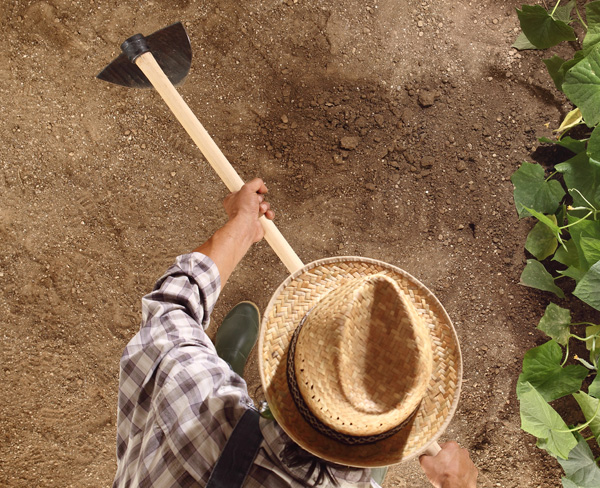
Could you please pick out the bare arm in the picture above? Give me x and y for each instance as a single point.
(229, 244)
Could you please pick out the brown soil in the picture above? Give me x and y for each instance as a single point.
(101, 188)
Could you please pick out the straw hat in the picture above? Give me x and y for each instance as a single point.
(359, 362)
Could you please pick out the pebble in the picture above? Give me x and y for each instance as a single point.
(349, 142)
(426, 98)
(370, 187)
(461, 166)
(427, 162)
(284, 119)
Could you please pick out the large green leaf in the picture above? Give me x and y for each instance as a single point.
(541, 29)
(579, 173)
(549, 221)
(542, 369)
(580, 467)
(589, 407)
(558, 67)
(582, 87)
(573, 272)
(541, 420)
(535, 275)
(594, 388)
(590, 344)
(522, 43)
(590, 246)
(567, 254)
(588, 288)
(533, 191)
(554, 65)
(556, 323)
(592, 37)
(541, 240)
(573, 145)
(583, 232)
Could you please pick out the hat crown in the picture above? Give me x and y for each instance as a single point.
(363, 358)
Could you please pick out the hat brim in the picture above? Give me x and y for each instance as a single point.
(293, 299)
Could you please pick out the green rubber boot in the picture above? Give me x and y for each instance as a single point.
(237, 335)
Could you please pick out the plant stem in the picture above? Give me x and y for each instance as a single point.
(584, 338)
(580, 19)
(575, 223)
(554, 9)
(566, 355)
(551, 176)
(582, 426)
(583, 323)
(586, 200)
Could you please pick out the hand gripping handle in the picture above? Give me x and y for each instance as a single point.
(147, 63)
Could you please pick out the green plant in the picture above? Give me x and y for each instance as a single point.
(565, 243)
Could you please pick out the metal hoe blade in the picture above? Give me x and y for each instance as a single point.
(173, 52)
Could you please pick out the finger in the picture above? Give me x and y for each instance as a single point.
(264, 207)
(270, 214)
(257, 185)
(261, 198)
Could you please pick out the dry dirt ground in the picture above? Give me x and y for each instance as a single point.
(100, 189)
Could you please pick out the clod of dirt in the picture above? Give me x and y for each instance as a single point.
(427, 162)
(349, 142)
(461, 166)
(427, 98)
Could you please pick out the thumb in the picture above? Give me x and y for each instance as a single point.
(426, 461)
(428, 465)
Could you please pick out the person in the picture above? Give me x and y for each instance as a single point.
(179, 401)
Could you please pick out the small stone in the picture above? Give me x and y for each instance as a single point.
(337, 159)
(284, 119)
(349, 142)
(427, 162)
(427, 98)
(370, 187)
(420, 23)
(494, 21)
(173, 173)
(461, 166)
(341, 246)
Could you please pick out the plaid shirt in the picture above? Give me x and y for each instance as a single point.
(179, 402)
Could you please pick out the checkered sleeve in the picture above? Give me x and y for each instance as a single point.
(178, 401)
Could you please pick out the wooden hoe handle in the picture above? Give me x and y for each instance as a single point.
(147, 63)
(433, 449)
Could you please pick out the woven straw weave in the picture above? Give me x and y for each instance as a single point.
(363, 357)
(297, 295)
